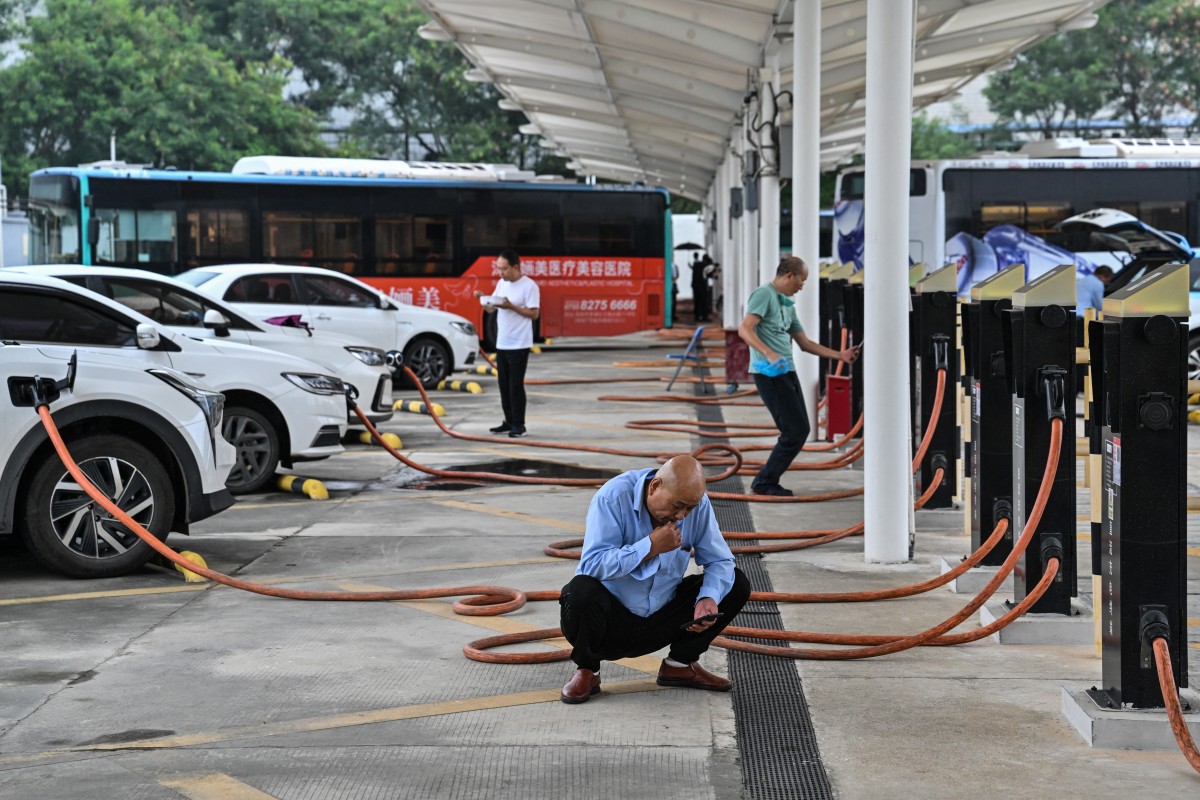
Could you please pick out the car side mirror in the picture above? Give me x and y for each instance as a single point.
(216, 322)
(147, 337)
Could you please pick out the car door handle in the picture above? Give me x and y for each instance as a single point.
(324, 316)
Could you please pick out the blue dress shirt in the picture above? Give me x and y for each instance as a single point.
(1089, 293)
(617, 538)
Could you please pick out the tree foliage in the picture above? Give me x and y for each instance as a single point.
(931, 139)
(1137, 63)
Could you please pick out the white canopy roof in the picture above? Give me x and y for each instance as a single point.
(652, 89)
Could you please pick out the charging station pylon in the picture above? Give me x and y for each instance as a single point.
(855, 312)
(1040, 362)
(1143, 522)
(934, 350)
(832, 308)
(990, 446)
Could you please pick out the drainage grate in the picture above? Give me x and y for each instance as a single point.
(778, 746)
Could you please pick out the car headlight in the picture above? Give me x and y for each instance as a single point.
(212, 403)
(371, 356)
(463, 326)
(317, 384)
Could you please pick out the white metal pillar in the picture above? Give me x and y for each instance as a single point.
(806, 185)
(768, 177)
(887, 470)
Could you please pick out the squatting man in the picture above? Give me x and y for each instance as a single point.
(629, 596)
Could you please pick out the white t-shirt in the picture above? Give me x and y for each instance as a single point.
(513, 331)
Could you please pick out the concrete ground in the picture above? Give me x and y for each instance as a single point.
(150, 687)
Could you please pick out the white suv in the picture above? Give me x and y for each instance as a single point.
(181, 308)
(278, 408)
(148, 437)
(435, 343)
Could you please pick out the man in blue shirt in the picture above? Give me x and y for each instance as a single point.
(629, 595)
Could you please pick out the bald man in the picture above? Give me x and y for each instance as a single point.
(629, 596)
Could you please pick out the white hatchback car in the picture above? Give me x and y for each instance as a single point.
(278, 408)
(149, 437)
(434, 343)
(181, 308)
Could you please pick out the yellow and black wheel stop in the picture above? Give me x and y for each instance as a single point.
(417, 407)
(391, 438)
(483, 369)
(309, 487)
(471, 387)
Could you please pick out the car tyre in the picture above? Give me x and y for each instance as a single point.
(429, 359)
(68, 532)
(1193, 357)
(257, 443)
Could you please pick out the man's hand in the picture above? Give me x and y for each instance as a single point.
(478, 294)
(704, 607)
(849, 355)
(664, 539)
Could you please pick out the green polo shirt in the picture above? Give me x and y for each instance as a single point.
(777, 322)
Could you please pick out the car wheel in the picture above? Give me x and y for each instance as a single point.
(68, 532)
(257, 444)
(1193, 365)
(429, 359)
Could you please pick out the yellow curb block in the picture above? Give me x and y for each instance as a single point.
(471, 387)
(1194, 417)
(482, 369)
(188, 575)
(417, 407)
(309, 487)
(366, 438)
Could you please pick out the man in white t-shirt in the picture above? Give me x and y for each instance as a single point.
(518, 307)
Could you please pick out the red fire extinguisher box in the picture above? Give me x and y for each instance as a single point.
(837, 407)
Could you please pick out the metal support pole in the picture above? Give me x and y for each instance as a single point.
(885, 361)
(806, 185)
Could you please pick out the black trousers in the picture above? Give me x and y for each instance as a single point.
(600, 628)
(781, 395)
(510, 366)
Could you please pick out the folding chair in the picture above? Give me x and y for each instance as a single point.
(693, 353)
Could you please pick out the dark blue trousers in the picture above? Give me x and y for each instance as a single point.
(781, 395)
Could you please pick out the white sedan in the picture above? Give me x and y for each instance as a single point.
(434, 343)
(279, 409)
(181, 308)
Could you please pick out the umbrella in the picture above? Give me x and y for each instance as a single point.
(689, 246)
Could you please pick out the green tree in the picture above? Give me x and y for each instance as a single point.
(363, 59)
(931, 139)
(1054, 86)
(95, 68)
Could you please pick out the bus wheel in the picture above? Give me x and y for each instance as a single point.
(257, 444)
(429, 359)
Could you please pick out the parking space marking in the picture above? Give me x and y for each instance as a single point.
(387, 497)
(444, 609)
(215, 786)
(574, 527)
(59, 598)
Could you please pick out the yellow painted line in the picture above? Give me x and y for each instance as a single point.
(313, 724)
(1194, 551)
(393, 498)
(1193, 622)
(58, 598)
(214, 787)
(444, 609)
(478, 508)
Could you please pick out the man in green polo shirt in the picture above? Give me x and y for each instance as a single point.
(769, 328)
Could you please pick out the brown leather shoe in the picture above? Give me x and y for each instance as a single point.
(583, 684)
(693, 676)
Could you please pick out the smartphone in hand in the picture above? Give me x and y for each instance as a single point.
(705, 618)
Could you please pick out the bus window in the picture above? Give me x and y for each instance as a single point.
(993, 214)
(320, 240)
(54, 219)
(1041, 217)
(218, 234)
(1164, 215)
(412, 245)
(130, 236)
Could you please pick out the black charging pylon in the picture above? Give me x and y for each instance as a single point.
(990, 456)
(855, 313)
(936, 310)
(832, 305)
(1040, 362)
(1143, 522)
